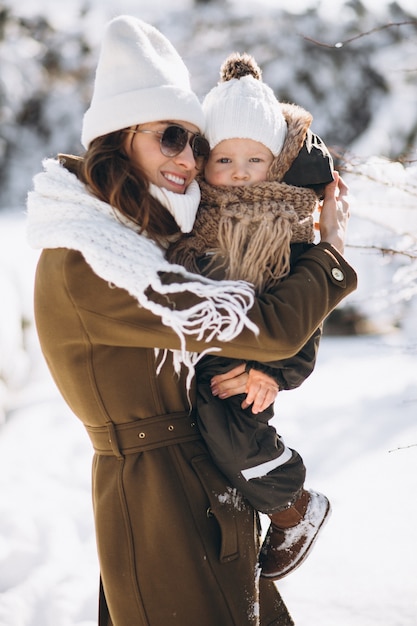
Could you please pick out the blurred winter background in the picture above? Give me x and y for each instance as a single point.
(353, 64)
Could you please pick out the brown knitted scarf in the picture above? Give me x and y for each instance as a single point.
(247, 231)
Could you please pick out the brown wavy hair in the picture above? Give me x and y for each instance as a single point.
(114, 179)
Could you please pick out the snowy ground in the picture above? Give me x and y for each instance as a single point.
(354, 421)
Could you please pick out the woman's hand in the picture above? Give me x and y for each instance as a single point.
(334, 213)
(261, 390)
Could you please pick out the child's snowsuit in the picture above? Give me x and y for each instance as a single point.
(256, 233)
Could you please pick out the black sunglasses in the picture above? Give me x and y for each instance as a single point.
(173, 140)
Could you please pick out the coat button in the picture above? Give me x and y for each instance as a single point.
(338, 274)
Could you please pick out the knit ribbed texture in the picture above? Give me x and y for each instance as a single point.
(140, 78)
(244, 108)
(247, 231)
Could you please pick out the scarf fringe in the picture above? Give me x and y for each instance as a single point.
(256, 245)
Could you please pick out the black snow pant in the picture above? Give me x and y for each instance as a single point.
(244, 446)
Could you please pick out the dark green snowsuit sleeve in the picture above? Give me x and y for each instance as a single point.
(290, 373)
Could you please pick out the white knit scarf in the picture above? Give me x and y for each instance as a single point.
(183, 207)
(63, 214)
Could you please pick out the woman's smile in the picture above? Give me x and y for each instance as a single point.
(177, 181)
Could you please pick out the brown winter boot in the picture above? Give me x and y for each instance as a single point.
(292, 534)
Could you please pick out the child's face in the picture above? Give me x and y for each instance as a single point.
(238, 162)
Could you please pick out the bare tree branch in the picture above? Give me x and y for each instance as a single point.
(406, 188)
(341, 44)
(412, 254)
(412, 445)
(347, 159)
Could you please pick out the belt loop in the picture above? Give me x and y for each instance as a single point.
(113, 440)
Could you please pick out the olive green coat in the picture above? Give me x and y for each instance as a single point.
(176, 546)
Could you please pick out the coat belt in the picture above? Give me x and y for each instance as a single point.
(143, 434)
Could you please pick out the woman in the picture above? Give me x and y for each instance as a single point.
(120, 329)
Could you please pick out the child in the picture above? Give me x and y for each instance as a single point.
(252, 225)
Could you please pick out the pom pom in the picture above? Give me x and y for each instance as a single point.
(238, 65)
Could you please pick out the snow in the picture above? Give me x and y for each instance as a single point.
(353, 420)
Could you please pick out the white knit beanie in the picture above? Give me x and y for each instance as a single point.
(140, 78)
(244, 107)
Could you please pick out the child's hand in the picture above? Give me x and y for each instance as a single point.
(260, 388)
(261, 391)
(231, 383)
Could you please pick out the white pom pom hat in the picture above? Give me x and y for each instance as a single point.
(244, 108)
